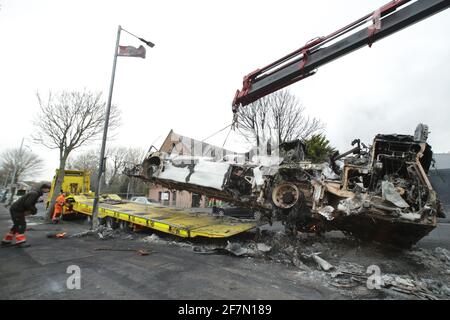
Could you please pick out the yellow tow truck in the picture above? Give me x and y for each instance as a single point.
(116, 212)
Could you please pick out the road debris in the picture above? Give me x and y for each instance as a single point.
(128, 237)
(237, 249)
(83, 234)
(323, 264)
(343, 264)
(263, 247)
(205, 250)
(142, 252)
(425, 289)
(335, 261)
(233, 248)
(443, 254)
(102, 232)
(152, 239)
(56, 235)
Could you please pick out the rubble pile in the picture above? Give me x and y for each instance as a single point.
(438, 259)
(154, 238)
(101, 232)
(340, 263)
(348, 265)
(333, 260)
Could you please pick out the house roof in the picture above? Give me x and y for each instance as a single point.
(180, 144)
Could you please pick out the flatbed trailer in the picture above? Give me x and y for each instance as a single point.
(174, 221)
(116, 212)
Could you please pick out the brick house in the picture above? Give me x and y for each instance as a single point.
(181, 145)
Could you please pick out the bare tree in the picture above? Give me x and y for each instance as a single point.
(129, 185)
(5, 176)
(85, 161)
(134, 156)
(279, 116)
(26, 163)
(117, 159)
(254, 120)
(68, 120)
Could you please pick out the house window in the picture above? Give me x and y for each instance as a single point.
(164, 195)
(195, 200)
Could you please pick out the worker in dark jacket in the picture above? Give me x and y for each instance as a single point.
(24, 206)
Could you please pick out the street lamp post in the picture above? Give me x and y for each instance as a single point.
(94, 221)
(101, 166)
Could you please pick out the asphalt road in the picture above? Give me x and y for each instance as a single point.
(439, 237)
(170, 271)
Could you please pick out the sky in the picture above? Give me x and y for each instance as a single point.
(202, 51)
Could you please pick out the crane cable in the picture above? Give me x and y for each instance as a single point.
(217, 132)
(232, 126)
(226, 138)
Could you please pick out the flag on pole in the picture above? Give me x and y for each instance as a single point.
(130, 51)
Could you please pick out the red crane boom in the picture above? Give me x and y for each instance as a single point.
(302, 63)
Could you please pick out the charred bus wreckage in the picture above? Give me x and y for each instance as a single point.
(379, 193)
